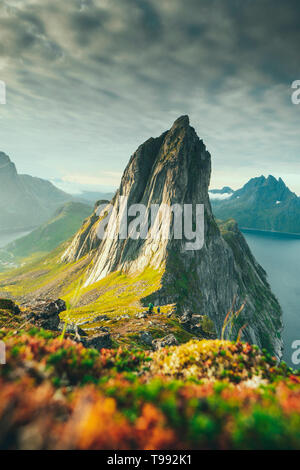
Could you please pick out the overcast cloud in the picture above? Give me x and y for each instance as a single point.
(90, 80)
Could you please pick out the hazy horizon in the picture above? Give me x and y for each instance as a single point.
(82, 188)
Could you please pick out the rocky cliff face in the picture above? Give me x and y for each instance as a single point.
(172, 169)
(25, 201)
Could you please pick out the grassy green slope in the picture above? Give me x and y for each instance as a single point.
(48, 236)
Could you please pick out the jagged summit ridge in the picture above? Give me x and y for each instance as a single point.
(175, 168)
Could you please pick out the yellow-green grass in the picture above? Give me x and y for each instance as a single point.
(117, 294)
(38, 272)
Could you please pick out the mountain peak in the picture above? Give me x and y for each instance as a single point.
(174, 169)
(182, 122)
(272, 179)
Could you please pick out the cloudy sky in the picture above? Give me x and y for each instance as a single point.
(89, 80)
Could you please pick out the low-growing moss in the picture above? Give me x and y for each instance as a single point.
(85, 399)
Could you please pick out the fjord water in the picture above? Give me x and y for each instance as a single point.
(279, 255)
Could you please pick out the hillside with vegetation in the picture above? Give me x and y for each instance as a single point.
(65, 222)
(208, 394)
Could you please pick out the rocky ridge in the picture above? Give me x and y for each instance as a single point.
(175, 168)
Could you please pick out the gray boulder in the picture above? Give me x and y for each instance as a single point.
(146, 338)
(99, 341)
(45, 313)
(72, 329)
(168, 340)
(141, 315)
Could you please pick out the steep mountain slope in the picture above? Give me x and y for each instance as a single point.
(25, 201)
(263, 204)
(176, 168)
(45, 238)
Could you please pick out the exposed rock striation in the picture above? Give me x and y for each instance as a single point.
(175, 168)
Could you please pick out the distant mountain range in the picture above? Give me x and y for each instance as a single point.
(262, 204)
(25, 201)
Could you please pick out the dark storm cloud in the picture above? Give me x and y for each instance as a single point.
(253, 32)
(95, 68)
(268, 33)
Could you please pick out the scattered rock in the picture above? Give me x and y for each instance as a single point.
(200, 325)
(101, 328)
(45, 313)
(146, 338)
(122, 317)
(168, 340)
(141, 315)
(100, 318)
(7, 304)
(185, 318)
(86, 322)
(99, 341)
(72, 329)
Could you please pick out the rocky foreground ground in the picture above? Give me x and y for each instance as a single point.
(55, 393)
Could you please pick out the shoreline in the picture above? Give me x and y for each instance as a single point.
(295, 236)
